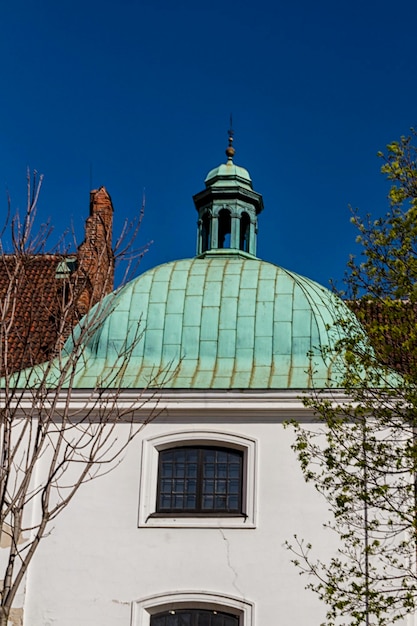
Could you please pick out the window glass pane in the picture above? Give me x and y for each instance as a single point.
(180, 455)
(233, 503)
(208, 486)
(165, 502)
(178, 502)
(208, 502)
(179, 469)
(221, 470)
(208, 470)
(205, 619)
(221, 456)
(178, 486)
(234, 486)
(166, 470)
(234, 470)
(190, 502)
(198, 479)
(191, 486)
(191, 470)
(221, 486)
(209, 456)
(220, 503)
(192, 455)
(166, 486)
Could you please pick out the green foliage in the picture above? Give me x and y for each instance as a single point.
(389, 266)
(361, 454)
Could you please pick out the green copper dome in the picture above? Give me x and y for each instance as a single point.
(219, 322)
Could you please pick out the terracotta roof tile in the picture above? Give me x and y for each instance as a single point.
(391, 326)
(31, 297)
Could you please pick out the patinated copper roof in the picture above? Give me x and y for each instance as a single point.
(218, 322)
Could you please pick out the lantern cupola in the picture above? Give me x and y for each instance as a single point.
(228, 210)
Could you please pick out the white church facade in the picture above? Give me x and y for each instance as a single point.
(189, 528)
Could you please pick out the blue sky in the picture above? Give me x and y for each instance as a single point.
(136, 94)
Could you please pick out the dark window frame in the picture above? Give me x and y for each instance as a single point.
(194, 617)
(226, 495)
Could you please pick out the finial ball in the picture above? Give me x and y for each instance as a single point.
(230, 151)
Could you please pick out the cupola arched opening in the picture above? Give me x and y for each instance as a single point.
(225, 228)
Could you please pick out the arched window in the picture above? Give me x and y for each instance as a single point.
(225, 228)
(200, 479)
(244, 232)
(194, 617)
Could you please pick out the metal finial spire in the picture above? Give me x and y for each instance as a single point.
(230, 151)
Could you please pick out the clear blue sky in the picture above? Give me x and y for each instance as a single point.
(139, 93)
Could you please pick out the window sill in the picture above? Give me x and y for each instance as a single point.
(200, 515)
(161, 520)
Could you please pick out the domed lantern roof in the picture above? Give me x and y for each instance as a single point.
(229, 173)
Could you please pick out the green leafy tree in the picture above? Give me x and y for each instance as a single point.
(361, 455)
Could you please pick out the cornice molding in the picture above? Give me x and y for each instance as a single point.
(177, 405)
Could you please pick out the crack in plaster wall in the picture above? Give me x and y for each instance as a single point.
(229, 563)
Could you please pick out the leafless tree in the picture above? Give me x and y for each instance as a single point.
(50, 444)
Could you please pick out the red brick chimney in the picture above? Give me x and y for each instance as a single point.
(95, 254)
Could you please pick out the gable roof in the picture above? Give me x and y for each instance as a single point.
(42, 296)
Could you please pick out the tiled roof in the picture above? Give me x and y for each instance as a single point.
(391, 327)
(35, 290)
(31, 296)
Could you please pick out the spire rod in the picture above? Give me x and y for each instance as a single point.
(230, 151)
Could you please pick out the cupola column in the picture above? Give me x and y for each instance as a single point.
(201, 235)
(214, 232)
(235, 233)
(252, 237)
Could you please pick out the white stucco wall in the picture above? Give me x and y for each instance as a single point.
(98, 567)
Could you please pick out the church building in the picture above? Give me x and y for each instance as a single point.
(189, 528)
